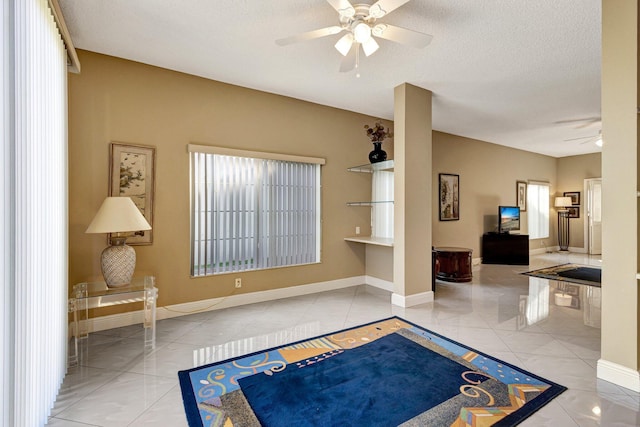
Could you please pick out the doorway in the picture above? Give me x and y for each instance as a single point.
(593, 215)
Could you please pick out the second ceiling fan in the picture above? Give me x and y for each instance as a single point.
(359, 21)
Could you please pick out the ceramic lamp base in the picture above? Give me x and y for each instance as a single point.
(118, 263)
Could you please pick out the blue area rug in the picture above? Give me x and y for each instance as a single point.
(572, 273)
(385, 373)
(397, 374)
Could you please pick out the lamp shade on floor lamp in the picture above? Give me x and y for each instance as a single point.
(118, 215)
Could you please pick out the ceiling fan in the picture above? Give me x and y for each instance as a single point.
(585, 122)
(361, 26)
(596, 139)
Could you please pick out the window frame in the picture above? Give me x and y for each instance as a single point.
(263, 215)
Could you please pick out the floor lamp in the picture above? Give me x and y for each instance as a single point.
(563, 221)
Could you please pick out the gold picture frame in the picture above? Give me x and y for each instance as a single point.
(132, 171)
(521, 195)
(449, 197)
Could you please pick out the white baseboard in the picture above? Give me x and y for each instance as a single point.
(411, 300)
(538, 251)
(577, 250)
(134, 317)
(619, 375)
(379, 283)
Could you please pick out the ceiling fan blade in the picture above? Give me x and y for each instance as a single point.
(348, 63)
(309, 35)
(343, 7)
(384, 7)
(402, 35)
(587, 121)
(582, 137)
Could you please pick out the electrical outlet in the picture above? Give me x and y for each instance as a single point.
(357, 231)
(238, 282)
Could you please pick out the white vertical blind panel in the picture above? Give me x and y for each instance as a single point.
(538, 210)
(7, 170)
(382, 213)
(40, 281)
(263, 213)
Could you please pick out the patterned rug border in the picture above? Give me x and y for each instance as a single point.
(547, 273)
(554, 390)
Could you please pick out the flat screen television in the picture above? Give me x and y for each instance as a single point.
(508, 218)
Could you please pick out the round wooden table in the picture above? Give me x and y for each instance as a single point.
(453, 264)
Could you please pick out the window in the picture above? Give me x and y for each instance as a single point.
(538, 210)
(382, 212)
(252, 211)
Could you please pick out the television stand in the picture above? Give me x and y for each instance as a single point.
(504, 248)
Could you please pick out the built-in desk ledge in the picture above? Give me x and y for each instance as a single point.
(380, 241)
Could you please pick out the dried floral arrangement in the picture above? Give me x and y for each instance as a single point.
(377, 132)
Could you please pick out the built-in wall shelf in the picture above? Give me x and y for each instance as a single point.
(369, 204)
(369, 240)
(387, 165)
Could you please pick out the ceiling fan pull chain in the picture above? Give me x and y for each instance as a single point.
(357, 60)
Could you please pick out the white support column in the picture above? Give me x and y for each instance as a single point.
(413, 196)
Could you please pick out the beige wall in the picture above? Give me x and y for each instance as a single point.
(488, 175)
(572, 171)
(118, 100)
(620, 319)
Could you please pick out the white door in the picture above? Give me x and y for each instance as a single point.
(594, 215)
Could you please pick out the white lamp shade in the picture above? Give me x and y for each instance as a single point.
(118, 215)
(563, 202)
(344, 44)
(362, 32)
(370, 46)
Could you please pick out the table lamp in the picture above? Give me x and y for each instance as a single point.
(563, 221)
(118, 215)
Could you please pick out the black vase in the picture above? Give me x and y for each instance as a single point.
(378, 154)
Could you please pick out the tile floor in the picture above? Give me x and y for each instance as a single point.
(508, 315)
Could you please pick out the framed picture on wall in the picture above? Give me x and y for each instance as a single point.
(449, 197)
(575, 197)
(521, 195)
(132, 174)
(574, 211)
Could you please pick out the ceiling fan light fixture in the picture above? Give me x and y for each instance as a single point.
(347, 12)
(378, 30)
(362, 32)
(344, 44)
(376, 11)
(370, 46)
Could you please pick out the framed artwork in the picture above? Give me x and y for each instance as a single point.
(132, 171)
(574, 211)
(521, 195)
(575, 197)
(449, 197)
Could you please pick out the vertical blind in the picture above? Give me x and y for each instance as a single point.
(252, 213)
(34, 218)
(538, 210)
(382, 212)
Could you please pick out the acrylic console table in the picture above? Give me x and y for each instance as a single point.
(87, 295)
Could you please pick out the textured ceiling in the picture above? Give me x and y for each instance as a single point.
(502, 71)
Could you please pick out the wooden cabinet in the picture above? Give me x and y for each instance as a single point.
(505, 249)
(453, 264)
